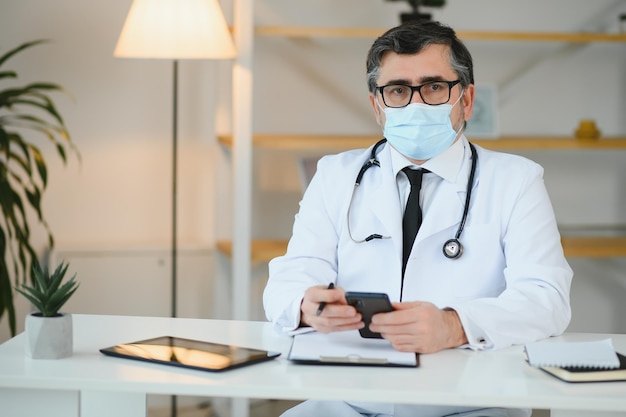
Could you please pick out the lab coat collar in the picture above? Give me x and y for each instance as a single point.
(385, 200)
(448, 199)
(447, 164)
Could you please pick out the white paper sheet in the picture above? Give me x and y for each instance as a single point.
(347, 347)
(596, 354)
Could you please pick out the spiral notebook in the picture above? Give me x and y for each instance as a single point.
(594, 361)
(578, 374)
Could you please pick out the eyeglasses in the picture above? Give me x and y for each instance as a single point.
(433, 93)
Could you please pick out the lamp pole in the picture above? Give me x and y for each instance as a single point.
(174, 283)
(175, 29)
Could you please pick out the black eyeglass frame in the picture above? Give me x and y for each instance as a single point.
(418, 88)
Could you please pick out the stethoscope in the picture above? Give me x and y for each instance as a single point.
(452, 248)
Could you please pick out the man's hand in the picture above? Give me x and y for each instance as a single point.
(420, 327)
(337, 314)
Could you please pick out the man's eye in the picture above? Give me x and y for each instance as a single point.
(436, 87)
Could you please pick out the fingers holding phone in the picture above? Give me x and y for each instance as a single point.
(419, 326)
(369, 304)
(325, 309)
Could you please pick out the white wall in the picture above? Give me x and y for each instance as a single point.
(120, 117)
(119, 113)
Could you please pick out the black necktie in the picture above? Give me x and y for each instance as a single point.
(412, 219)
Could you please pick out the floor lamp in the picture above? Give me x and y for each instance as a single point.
(175, 30)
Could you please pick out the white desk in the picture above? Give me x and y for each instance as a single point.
(90, 384)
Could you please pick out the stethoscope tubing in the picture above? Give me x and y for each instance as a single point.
(452, 248)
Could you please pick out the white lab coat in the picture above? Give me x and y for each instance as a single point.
(510, 286)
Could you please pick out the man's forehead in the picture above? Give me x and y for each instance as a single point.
(432, 62)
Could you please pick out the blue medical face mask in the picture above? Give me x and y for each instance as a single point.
(420, 131)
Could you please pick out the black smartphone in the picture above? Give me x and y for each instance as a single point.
(368, 304)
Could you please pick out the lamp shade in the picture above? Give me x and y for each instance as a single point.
(175, 29)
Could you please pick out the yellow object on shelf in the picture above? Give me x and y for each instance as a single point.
(587, 129)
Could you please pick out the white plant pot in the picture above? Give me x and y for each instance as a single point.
(49, 337)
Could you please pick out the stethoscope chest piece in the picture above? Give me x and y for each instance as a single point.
(452, 249)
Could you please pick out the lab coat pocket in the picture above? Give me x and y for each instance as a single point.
(478, 272)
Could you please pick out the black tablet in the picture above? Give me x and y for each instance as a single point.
(186, 353)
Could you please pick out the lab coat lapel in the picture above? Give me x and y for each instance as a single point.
(385, 200)
(446, 206)
(445, 210)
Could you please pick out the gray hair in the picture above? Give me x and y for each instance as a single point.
(411, 38)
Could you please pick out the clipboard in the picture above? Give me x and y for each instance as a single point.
(347, 348)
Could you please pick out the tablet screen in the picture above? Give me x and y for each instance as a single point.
(188, 353)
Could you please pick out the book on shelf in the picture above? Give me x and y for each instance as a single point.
(594, 361)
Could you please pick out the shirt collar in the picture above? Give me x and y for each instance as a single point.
(447, 164)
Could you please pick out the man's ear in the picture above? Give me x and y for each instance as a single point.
(377, 111)
(468, 101)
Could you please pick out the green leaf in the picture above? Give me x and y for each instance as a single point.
(23, 46)
(22, 163)
(41, 165)
(6, 292)
(45, 104)
(54, 281)
(34, 198)
(60, 297)
(33, 294)
(8, 74)
(5, 142)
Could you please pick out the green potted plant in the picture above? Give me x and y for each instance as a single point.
(23, 173)
(49, 333)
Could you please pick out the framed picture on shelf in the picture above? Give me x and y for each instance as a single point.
(307, 166)
(484, 121)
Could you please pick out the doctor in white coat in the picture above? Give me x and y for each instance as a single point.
(510, 283)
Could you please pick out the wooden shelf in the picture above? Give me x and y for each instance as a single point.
(573, 246)
(594, 247)
(340, 142)
(261, 250)
(372, 33)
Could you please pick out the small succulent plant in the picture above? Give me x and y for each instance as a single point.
(48, 294)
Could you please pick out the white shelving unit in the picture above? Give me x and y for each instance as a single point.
(244, 250)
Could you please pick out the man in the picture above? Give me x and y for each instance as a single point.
(486, 268)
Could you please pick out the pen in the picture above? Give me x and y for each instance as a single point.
(323, 303)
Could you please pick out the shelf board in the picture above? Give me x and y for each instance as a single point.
(594, 247)
(372, 33)
(573, 246)
(262, 250)
(341, 142)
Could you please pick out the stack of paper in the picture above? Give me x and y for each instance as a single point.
(596, 354)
